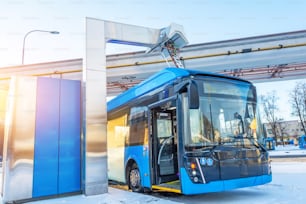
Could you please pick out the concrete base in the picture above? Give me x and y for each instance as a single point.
(96, 189)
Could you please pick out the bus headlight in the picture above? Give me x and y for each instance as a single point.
(210, 161)
(203, 161)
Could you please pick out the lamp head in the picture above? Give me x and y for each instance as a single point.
(54, 32)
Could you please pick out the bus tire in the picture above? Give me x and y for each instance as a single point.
(135, 179)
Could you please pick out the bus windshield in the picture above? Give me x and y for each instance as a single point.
(226, 115)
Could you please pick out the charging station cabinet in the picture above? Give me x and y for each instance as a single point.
(57, 147)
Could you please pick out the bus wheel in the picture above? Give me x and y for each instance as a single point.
(134, 179)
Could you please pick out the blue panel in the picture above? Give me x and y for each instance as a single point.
(46, 138)
(70, 131)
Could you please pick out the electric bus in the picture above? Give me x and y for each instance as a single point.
(302, 142)
(188, 132)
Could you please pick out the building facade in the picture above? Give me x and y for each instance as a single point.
(287, 132)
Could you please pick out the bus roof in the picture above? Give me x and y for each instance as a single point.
(157, 80)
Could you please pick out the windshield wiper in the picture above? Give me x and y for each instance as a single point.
(239, 137)
(212, 125)
(201, 146)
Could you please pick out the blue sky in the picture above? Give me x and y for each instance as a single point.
(203, 21)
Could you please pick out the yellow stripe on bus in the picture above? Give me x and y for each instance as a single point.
(162, 188)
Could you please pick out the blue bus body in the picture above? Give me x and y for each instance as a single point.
(164, 77)
(153, 131)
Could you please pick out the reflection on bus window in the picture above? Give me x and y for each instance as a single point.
(224, 115)
(164, 125)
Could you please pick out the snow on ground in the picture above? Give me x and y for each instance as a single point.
(287, 150)
(288, 186)
(114, 196)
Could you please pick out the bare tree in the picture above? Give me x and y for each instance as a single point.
(282, 130)
(298, 103)
(270, 110)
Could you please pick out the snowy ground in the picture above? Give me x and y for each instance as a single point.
(288, 186)
(287, 150)
(114, 196)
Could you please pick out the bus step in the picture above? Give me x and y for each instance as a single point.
(173, 186)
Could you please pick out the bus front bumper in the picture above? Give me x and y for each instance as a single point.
(190, 188)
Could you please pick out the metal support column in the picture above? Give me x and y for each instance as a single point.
(94, 110)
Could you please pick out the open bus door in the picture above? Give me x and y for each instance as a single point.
(164, 150)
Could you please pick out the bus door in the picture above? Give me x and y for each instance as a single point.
(164, 145)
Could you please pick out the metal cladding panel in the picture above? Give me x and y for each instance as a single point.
(18, 150)
(3, 99)
(46, 138)
(94, 116)
(69, 179)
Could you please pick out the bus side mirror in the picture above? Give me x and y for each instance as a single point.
(193, 95)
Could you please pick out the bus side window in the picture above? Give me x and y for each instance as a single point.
(138, 127)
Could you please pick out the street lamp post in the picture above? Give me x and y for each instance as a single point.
(25, 36)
